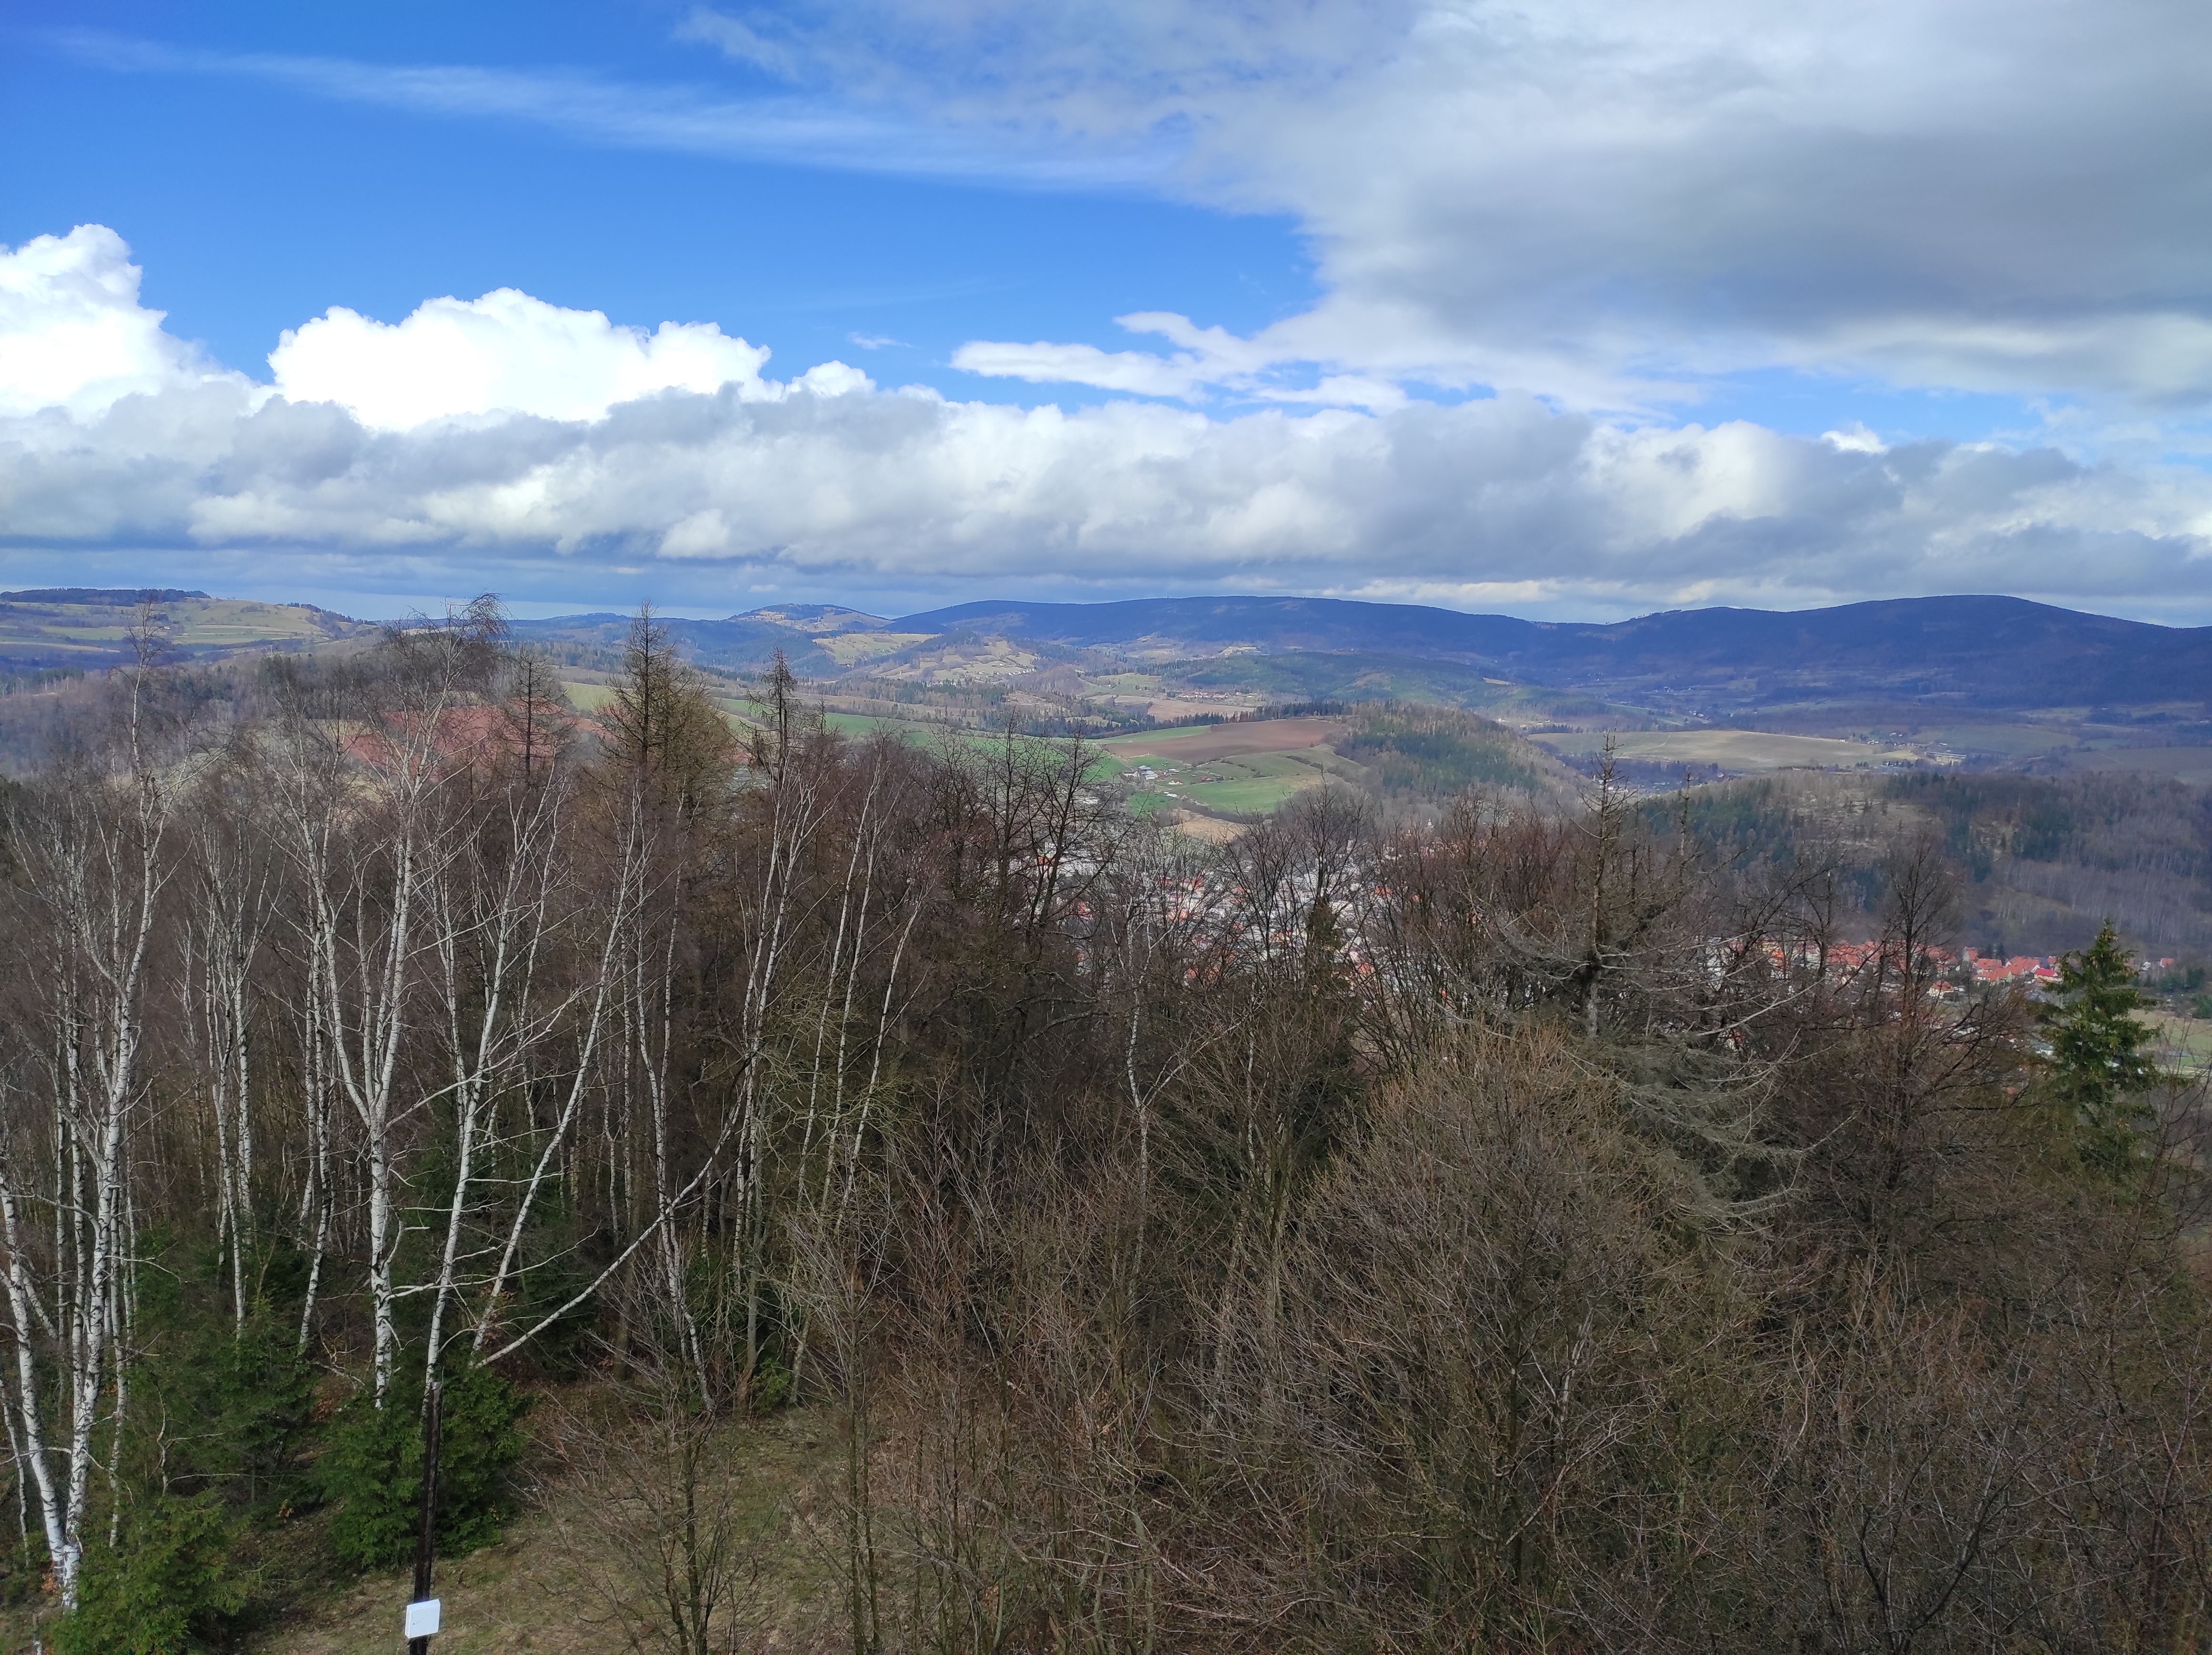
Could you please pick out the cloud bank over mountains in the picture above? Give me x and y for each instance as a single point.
(506, 442)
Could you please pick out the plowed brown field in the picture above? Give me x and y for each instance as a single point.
(1228, 741)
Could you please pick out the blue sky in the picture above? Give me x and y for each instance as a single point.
(1574, 311)
(253, 204)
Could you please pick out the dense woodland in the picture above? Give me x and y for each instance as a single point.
(1502, 1233)
(2042, 861)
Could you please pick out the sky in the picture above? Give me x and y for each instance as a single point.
(1574, 310)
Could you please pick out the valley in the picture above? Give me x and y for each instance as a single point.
(1209, 715)
(1968, 684)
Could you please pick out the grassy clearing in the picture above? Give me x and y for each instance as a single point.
(1256, 784)
(2192, 1038)
(554, 1584)
(1254, 798)
(848, 648)
(225, 623)
(990, 660)
(588, 698)
(1189, 769)
(1731, 749)
(546, 1586)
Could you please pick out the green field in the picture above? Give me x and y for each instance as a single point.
(1234, 771)
(2191, 1037)
(1731, 749)
(1251, 785)
(1237, 785)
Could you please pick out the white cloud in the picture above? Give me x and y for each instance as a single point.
(507, 443)
(1854, 439)
(504, 353)
(1042, 363)
(1211, 360)
(73, 335)
(1610, 203)
(507, 353)
(1603, 201)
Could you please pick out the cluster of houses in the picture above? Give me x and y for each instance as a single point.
(2042, 968)
(1945, 975)
(2029, 968)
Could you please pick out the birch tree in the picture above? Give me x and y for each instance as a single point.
(95, 862)
(369, 829)
(230, 903)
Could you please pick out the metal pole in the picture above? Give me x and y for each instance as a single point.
(426, 1540)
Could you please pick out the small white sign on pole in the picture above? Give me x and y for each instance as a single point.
(422, 1618)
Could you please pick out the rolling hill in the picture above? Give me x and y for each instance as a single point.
(1982, 681)
(1970, 651)
(2002, 653)
(86, 629)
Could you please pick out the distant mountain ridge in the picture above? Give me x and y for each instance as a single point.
(1968, 652)
(1976, 651)
(109, 595)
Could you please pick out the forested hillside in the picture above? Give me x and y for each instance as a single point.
(2042, 861)
(1488, 1229)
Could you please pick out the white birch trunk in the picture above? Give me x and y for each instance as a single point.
(365, 841)
(94, 859)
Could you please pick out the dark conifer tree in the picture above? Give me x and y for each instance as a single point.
(2100, 1065)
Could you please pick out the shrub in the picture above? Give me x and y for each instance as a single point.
(373, 1468)
(166, 1588)
(264, 1390)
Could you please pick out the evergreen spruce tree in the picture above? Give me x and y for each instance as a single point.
(2100, 1065)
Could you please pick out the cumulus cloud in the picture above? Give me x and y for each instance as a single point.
(73, 335)
(504, 353)
(504, 439)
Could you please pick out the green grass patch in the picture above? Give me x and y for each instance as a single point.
(1250, 785)
(1255, 796)
(1731, 749)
